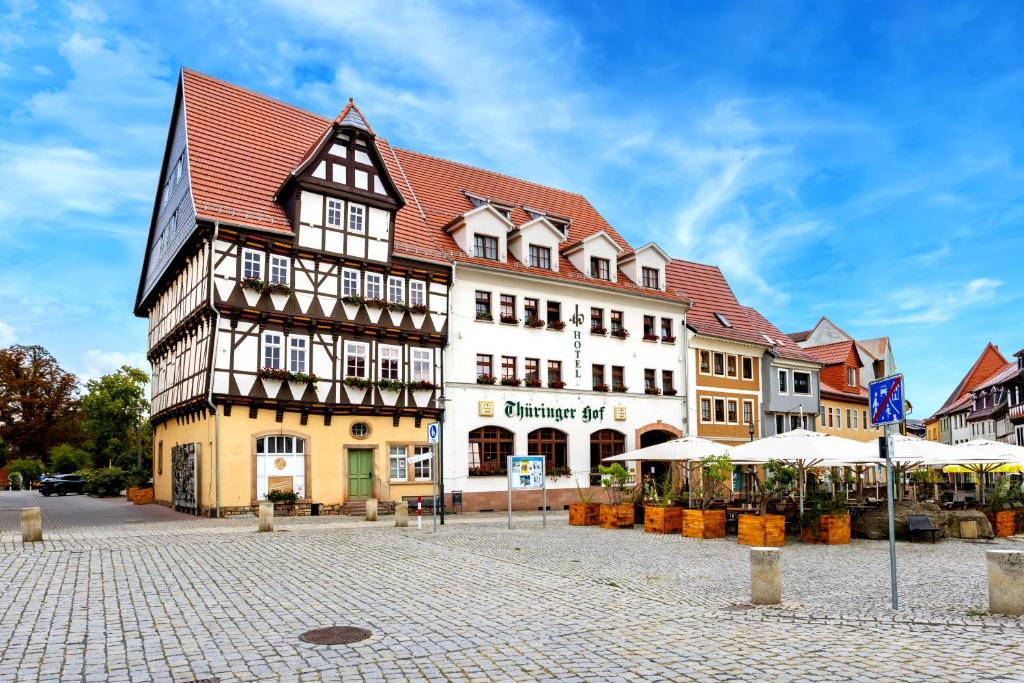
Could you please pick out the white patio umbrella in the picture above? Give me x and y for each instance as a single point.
(912, 451)
(677, 450)
(988, 450)
(803, 449)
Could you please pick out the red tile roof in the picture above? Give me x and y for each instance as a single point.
(831, 354)
(243, 145)
(710, 292)
(989, 362)
(785, 347)
(829, 391)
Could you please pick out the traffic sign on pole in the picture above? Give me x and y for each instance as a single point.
(885, 398)
(433, 432)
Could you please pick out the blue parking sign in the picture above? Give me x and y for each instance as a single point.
(885, 397)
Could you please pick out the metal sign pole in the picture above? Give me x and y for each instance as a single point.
(887, 439)
(508, 477)
(544, 497)
(433, 483)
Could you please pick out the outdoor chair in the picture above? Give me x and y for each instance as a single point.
(919, 524)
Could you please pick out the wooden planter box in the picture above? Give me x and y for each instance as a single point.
(769, 530)
(584, 514)
(1004, 522)
(659, 520)
(617, 516)
(832, 530)
(139, 495)
(704, 523)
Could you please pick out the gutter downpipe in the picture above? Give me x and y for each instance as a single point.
(213, 358)
(685, 334)
(443, 398)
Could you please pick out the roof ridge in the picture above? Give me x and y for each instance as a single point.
(497, 173)
(249, 91)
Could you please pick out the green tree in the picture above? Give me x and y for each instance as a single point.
(65, 459)
(38, 402)
(114, 409)
(30, 469)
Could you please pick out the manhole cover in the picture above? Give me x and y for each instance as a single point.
(335, 635)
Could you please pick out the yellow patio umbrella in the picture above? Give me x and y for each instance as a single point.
(983, 468)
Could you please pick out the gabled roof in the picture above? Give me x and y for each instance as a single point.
(832, 354)
(647, 247)
(243, 146)
(988, 363)
(710, 292)
(829, 391)
(876, 348)
(800, 336)
(601, 235)
(784, 347)
(1000, 376)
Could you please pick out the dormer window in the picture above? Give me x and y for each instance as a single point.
(599, 268)
(504, 211)
(651, 278)
(540, 257)
(561, 227)
(851, 377)
(722, 319)
(485, 246)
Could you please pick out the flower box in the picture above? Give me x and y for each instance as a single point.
(486, 379)
(377, 303)
(704, 523)
(601, 387)
(827, 530)
(652, 391)
(534, 322)
(662, 520)
(650, 337)
(486, 317)
(620, 334)
(598, 330)
(487, 471)
(422, 385)
(419, 309)
(533, 383)
(669, 392)
(390, 385)
(556, 325)
(509, 320)
(759, 531)
(139, 495)
(617, 516)
(510, 381)
(668, 340)
(353, 300)
(556, 384)
(584, 514)
(620, 388)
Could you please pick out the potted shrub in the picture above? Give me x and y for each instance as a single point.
(1000, 511)
(618, 512)
(284, 501)
(708, 486)
(763, 529)
(826, 520)
(584, 512)
(661, 516)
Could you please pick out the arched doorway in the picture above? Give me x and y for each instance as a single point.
(604, 443)
(652, 435)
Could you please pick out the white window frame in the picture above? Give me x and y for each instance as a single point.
(282, 263)
(782, 372)
(401, 455)
(747, 402)
(743, 363)
(723, 355)
(711, 362)
(793, 377)
(246, 253)
(428, 464)
(734, 402)
(725, 411)
(711, 410)
(851, 373)
(417, 293)
(356, 210)
(335, 211)
(267, 345)
(383, 351)
(379, 280)
(365, 346)
(348, 274)
(428, 359)
(735, 364)
(298, 343)
(392, 289)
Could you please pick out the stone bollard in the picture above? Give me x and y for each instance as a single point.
(266, 516)
(402, 514)
(31, 525)
(765, 576)
(371, 510)
(1005, 581)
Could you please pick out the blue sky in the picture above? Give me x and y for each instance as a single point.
(858, 160)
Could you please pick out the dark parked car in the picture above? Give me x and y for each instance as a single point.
(62, 484)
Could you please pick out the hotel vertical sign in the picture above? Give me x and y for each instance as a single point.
(577, 319)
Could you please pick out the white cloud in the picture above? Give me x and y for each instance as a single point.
(925, 306)
(7, 335)
(98, 363)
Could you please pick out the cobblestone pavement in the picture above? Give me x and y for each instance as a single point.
(213, 599)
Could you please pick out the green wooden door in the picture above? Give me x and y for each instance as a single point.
(360, 474)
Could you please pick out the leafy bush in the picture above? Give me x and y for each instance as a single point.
(104, 481)
(282, 496)
(65, 459)
(614, 478)
(30, 469)
(17, 481)
(136, 476)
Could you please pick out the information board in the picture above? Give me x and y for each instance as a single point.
(526, 472)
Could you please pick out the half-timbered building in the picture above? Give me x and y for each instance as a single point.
(294, 347)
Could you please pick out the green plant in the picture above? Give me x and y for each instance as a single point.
(422, 385)
(559, 471)
(65, 459)
(585, 495)
(714, 471)
(778, 481)
(614, 479)
(1002, 495)
(29, 468)
(356, 382)
(288, 497)
(353, 299)
(16, 481)
(104, 481)
(136, 476)
(390, 384)
(820, 504)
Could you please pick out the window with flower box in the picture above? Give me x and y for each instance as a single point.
(389, 362)
(507, 309)
(272, 350)
(618, 377)
(666, 330)
(554, 312)
(616, 321)
(552, 444)
(374, 286)
(531, 370)
(649, 333)
(531, 309)
(356, 359)
(597, 320)
(417, 293)
(508, 367)
(396, 290)
(597, 376)
(252, 264)
(667, 385)
(349, 282)
(554, 371)
(649, 380)
(279, 267)
(484, 364)
(483, 305)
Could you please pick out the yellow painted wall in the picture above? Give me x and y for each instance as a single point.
(327, 449)
(170, 434)
(859, 434)
(932, 431)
